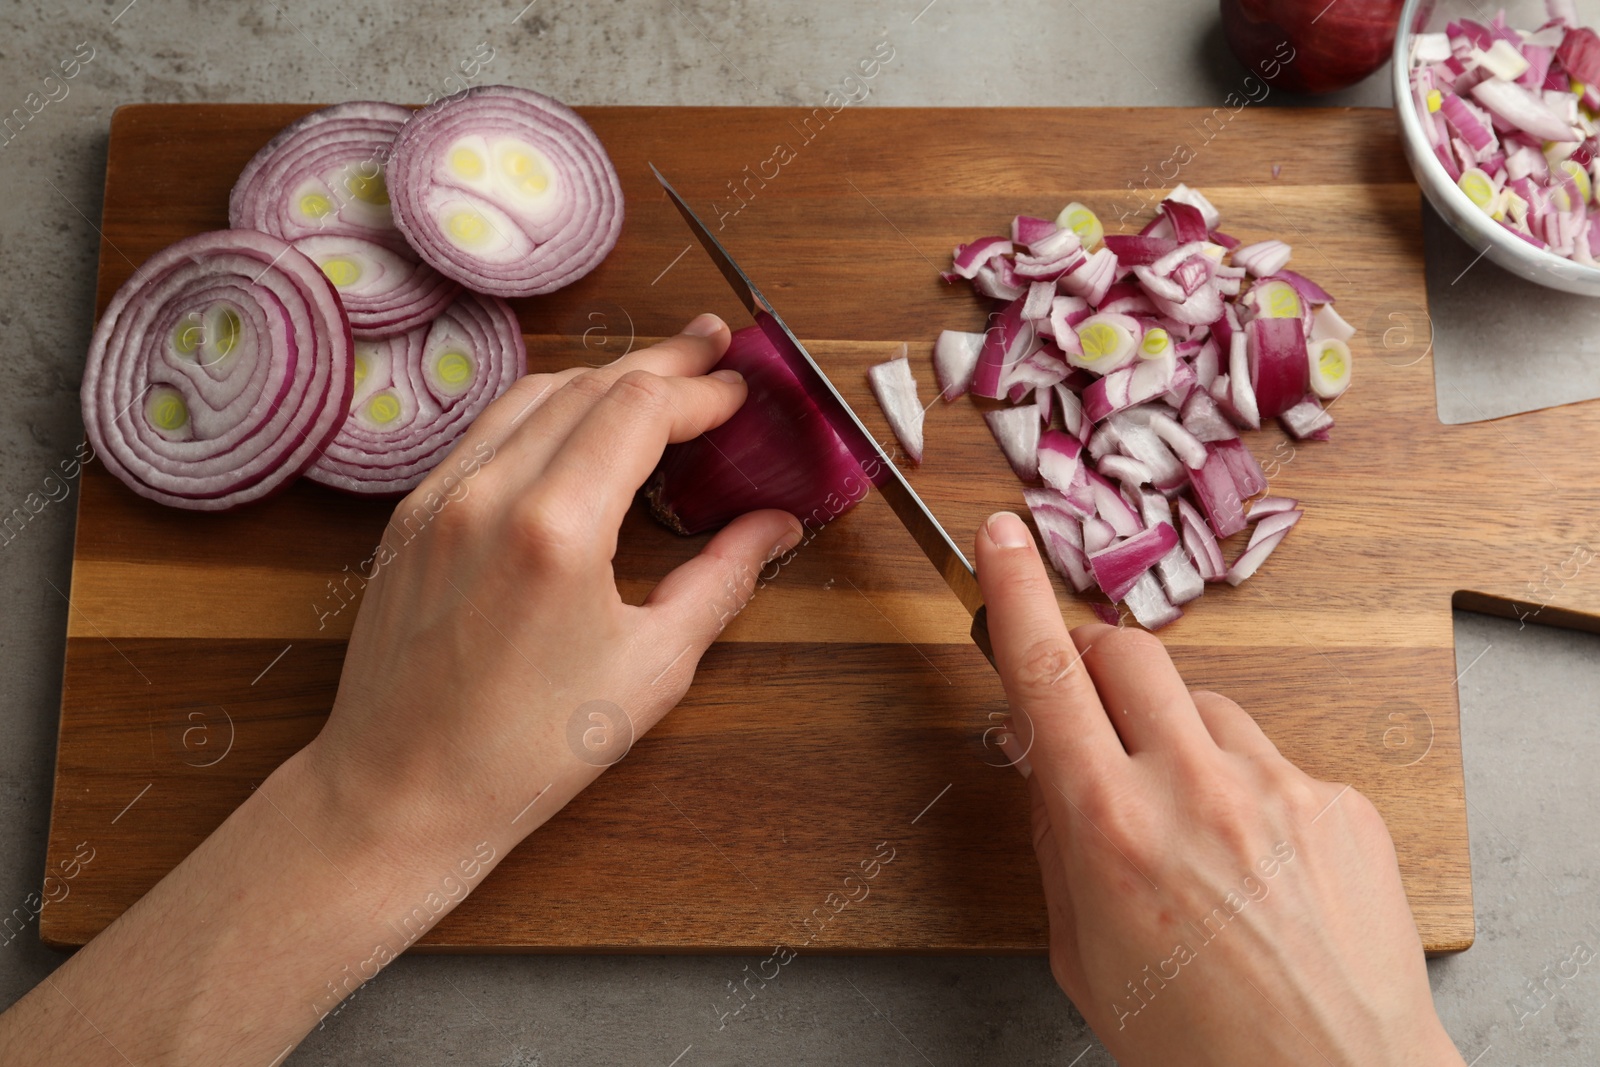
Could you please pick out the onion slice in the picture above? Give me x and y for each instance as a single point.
(385, 293)
(324, 174)
(417, 392)
(218, 372)
(896, 389)
(505, 190)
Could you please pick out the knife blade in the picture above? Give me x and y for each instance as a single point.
(945, 555)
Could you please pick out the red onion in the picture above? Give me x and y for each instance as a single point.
(417, 392)
(383, 292)
(505, 190)
(896, 389)
(218, 372)
(777, 451)
(1509, 115)
(320, 185)
(1128, 342)
(323, 174)
(1311, 46)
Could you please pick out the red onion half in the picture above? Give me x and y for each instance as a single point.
(505, 190)
(777, 451)
(320, 185)
(417, 392)
(221, 368)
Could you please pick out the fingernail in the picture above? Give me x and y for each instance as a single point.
(727, 374)
(1007, 531)
(706, 325)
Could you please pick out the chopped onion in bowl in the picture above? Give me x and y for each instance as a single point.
(1513, 118)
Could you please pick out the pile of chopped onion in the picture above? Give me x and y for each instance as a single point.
(314, 336)
(1512, 116)
(1129, 366)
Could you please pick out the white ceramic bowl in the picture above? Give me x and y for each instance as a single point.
(1477, 229)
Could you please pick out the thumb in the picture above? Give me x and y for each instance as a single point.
(692, 605)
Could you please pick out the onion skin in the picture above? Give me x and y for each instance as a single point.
(1329, 46)
(777, 451)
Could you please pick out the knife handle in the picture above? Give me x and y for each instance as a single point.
(980, 634)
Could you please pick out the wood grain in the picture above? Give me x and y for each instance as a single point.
(846, 699)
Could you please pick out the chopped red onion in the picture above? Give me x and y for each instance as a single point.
(505, 190)
(1130, 472)
(1328, 366)
(1149, 605)
(1182, 194)
(218, 372)
(1262, 259)
(1268, 534)
(1008, 339)
(1118, 565)
(1522, 109)
(1060, 529)
(1128, 342)
(1270, 505)
(1278, 365)
(1242, 406)
(1201, 543)
(955, 360)
(1017, 431)
(1203, 419)
(417, 392)
(1248, 477)
(1218, 495)
(1328, 324)
(1060, 460)
(896, 389)
(1071, 410)
(1097, 533)
(1306, 419)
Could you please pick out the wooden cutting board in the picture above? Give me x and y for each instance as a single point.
(846, 707)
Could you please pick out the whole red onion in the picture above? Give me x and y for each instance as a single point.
(1311, 46)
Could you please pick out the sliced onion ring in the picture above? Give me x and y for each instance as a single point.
(219, 371)
(383, 292)
(416, 393)
(323, 175)
(505, 190)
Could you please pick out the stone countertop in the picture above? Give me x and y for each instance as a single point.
(1527, 694)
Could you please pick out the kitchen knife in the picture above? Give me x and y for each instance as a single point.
(930, 536)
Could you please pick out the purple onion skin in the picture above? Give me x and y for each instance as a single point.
(777, 451)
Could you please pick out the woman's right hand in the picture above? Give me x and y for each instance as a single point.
(1209, 902)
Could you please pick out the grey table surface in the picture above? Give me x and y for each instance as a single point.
(1528, 695)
